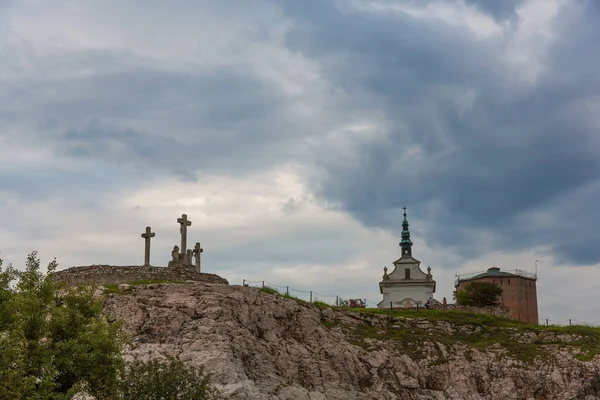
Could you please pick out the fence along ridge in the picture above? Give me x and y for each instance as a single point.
(566, 322)
(290, 291)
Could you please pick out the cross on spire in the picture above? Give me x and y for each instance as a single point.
(149, 234)
(184, 222)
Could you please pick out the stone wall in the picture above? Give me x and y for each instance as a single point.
(117, 274)
(499, 311)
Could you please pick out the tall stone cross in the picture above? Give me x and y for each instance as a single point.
(149, 234)
(183, 221)
(197, 251)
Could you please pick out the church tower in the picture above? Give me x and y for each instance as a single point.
(407, 286)
(405, 243)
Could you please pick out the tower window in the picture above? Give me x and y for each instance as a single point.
(407, 273)
(501, 281)
(509, 281)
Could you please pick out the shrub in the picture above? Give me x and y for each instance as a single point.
(479, 294)
(53, 339)
(166, 379)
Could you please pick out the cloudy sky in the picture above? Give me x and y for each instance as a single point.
(292, 133)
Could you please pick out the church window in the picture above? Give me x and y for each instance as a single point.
(407, 273)
(501, 281)
(509, 281)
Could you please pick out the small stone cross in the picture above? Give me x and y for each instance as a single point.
(149, 234)
(183, 221)
(385, 270)
(197, 251)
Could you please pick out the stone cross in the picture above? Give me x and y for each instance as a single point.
(197, 251)
(149, 234)
(183, 221)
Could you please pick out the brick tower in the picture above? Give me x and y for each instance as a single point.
(519, 293)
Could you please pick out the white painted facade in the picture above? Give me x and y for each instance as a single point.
(407, 285)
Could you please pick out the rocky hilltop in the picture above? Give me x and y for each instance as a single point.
(265, 346)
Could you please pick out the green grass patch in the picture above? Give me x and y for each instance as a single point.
(296, 299)
(269, 290)
(329, 324)
(321, 304)
(111, 288)
(588, 355)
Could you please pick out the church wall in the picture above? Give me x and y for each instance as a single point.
(518, 294)
(396, 294)
(415, 271)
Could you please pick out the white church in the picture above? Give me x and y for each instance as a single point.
(407, 286)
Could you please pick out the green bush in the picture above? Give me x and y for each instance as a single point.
(54, 340)
(165, 380)
(479, 294)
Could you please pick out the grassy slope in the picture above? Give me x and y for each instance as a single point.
(477, 331)
(483, 330)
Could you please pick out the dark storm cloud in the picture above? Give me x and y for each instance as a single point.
(516, 149)
(468, 147)
(209, 120)
(500, 10)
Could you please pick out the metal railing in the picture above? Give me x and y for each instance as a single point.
(567, 322)
(518, 272)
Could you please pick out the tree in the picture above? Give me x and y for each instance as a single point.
(166, 379)
(479, 294)
(54, 340)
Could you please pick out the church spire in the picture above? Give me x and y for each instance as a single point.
(405, 243)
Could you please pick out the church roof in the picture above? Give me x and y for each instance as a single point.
(406, 260)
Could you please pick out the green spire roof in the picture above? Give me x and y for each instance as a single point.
(405, 243)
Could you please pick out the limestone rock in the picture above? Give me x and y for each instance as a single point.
(261, 346)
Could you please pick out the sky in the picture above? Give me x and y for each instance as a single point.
(292, 133)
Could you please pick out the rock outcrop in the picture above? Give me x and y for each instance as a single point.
(263, 346)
